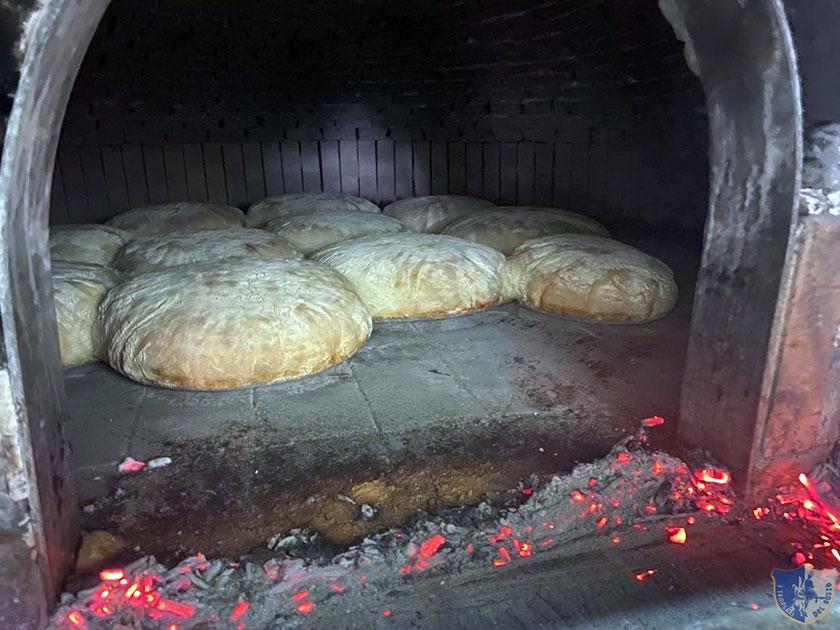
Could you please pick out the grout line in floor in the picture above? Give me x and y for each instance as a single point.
(134, 425)
(455, 373)
(387, 450)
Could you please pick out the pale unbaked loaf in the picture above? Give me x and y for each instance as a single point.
(232, 323)
(78, 289)
(419, 275)
(282, 206)
(433, 213)
(591, 277)
(153, 253)
(505, 228)
(310, 231)
(178, 217)
(86, 243)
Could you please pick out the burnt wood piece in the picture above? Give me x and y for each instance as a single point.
(743, 54)
(57, 40)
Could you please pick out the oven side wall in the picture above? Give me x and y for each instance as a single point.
(744, 55)
(800, 421)
(38, 510)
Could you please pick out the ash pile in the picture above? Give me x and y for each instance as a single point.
(287, 584)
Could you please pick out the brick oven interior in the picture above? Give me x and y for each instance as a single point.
(584, 106)
(505, 468)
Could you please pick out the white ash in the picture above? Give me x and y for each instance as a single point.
(820, 193)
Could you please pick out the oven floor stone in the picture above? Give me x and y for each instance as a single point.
(507, 382)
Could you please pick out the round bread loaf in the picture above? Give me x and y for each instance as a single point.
(78, 289)
(419, 275)
(282, 206)
(232, 323)
(433, 213)
(178, 217)
(591, 277)
(86, 243)
(153, 253)
(310, 231)
(505, 228)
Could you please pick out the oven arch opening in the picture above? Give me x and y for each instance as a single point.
(753, 99)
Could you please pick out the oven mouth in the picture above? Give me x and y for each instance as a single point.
(717, 403)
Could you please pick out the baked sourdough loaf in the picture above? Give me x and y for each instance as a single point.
(433, 213)
(308, 232)
(505, 228)
(232, 323)
(178, 217)
(86, 243)
(591, 277)
(78, 289)
(419, 275)
(153, 253)
(282, 206)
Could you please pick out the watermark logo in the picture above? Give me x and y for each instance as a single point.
(804, 594)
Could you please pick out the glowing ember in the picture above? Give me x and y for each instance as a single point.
(623, 458)
(641, 576)
(592, 482)
(713, 475)
(676, 535)
(578, 496)
(527, 491)
(240, 609)
(602, 521)
(271, 570)
(131, 465)
(754, 606)
(338, 588)
(111, 575)
(305, 608)
(656, 467)
(431, 546)
(386, 613)
(799, 558)
(303, 594)
(469, 547)
(616, 539)
(75, 618)
(653, 421)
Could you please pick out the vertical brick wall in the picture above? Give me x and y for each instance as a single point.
(587, 105)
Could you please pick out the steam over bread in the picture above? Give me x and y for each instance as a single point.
(310, 231)
(178, 217)
(283, 206)
(153, 253)
(505, 228)
(232, 323)
(86, 243)
(78, 289)
(591, 277)
(433, 213)
(419, 275)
